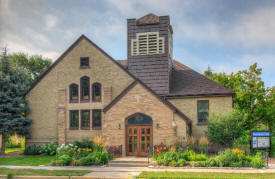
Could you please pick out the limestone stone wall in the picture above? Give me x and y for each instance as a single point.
(181, 128)
(139, 100)
(43, 98)
(189, 107)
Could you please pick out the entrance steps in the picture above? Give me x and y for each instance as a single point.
(129, 162)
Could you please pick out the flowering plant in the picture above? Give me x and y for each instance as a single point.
(69, 149)
(238, 151)
(158, 149)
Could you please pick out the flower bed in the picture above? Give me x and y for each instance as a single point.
(226, 158)
(83, 153)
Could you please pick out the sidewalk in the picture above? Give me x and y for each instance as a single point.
(128, 172)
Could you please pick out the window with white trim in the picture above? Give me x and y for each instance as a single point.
(148, 43)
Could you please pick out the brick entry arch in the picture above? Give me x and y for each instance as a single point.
(139, 134)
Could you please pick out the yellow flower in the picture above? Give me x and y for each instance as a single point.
(238, 151)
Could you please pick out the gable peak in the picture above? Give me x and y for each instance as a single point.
(148, 19)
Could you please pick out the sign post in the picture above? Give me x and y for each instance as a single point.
(260, 140)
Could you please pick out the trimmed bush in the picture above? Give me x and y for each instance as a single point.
(87, 161)
(65, 160)
(32, 150)
(49, 149)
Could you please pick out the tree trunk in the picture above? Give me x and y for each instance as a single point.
(3, 144)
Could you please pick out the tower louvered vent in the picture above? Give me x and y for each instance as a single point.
(147, 44)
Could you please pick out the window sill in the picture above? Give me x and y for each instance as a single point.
(202, 124)
(85, 101)
(97, 100)
(96, 128)
(84, 67)
(85, 128)
(74, 128)
(74, 101)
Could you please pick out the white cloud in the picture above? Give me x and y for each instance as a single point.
(250, 30)
(50, 21)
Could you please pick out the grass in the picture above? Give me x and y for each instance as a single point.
(9, 150)
(205, 175)
(39, 172)
(27, 160)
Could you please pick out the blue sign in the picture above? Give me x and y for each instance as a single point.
(261, 134)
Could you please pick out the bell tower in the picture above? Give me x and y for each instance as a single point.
(149, 51)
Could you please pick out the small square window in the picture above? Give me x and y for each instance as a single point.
(84, 62)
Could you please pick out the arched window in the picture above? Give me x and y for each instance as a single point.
(96, 92)
(73, 93)
(139, 119)
(85, 88)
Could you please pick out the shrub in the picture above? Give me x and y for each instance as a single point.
(15, 141)
(212, 162)
(85, 143)
(32, 150)
(189, 155)
(172, 163)
(65, 160)
(49, 149)
(181, 162)
(200, 157)
(224, 129)
(87, 161)
(100, 157)
(256, 161)
(95, 158)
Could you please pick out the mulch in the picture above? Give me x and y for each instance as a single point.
(12, 154)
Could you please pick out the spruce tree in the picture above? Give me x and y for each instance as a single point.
(13, 106)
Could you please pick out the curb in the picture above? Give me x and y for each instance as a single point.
(53, 177)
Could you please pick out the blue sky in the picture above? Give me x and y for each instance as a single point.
(226, 35)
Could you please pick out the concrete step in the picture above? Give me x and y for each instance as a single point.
(127, 164)
(127, 161)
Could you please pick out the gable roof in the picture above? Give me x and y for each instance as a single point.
(66, 52)
(165, 102)
(186, 82)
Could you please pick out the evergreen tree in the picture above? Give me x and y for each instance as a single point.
(13, 106)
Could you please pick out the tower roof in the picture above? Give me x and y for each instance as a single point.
(148, 19)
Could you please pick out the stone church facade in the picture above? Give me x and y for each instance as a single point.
(137, 103)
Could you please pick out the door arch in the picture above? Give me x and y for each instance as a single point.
(139, 134)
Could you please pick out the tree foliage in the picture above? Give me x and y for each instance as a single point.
(249, 88)
(32, 66)
(13, 106)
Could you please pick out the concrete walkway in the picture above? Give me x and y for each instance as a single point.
(129, 172)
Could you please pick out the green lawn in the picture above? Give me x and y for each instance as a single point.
(205, 175)
(7, 171)
(27, 160)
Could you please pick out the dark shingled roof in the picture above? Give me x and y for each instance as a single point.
(148, 19)
(187, 83)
